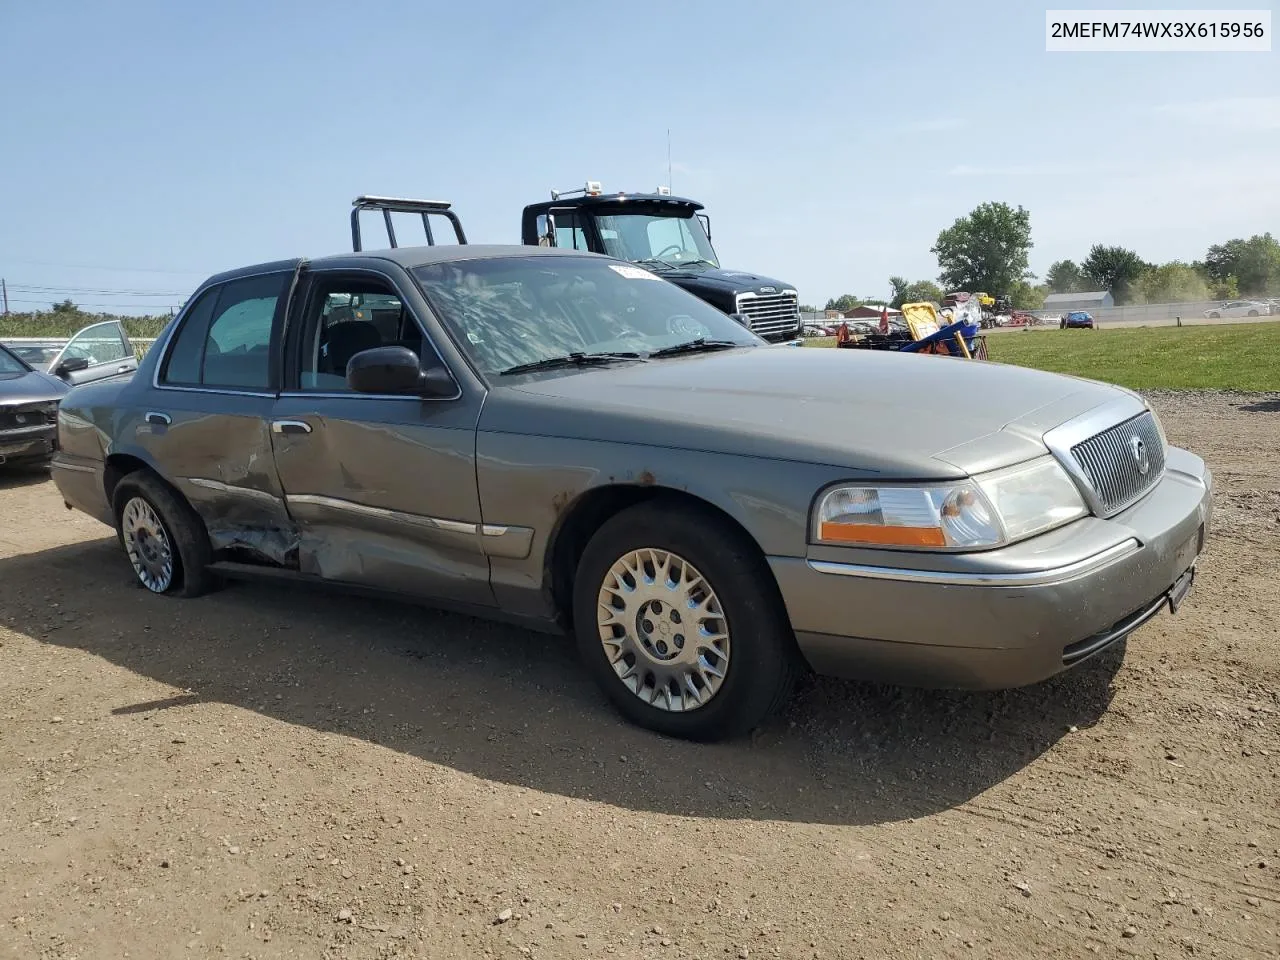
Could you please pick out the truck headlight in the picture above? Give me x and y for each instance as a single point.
(989, 510)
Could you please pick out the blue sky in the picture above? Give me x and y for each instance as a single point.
(149, 144)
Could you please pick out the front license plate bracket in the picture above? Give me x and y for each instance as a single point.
(1181, 587)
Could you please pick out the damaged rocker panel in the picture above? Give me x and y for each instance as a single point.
(232, 489)
(490, 539)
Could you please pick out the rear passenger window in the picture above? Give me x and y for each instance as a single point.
(226, 339)
(183, 363)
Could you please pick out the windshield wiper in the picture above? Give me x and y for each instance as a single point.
(576, 359)
(665, 263)
(695, 346)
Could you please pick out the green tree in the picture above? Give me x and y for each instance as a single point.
(1174, 282)
(1024, 295)
(66, 306)
(844, 302)
(1064, 276)
(808, 308)
(1114, 269)
(1255, 263)
(988, 251)
(1228, 289)
(918, 292)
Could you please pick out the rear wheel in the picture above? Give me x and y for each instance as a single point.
(678, 620)
(1215, 316)
(162, 536)
(1253, 313)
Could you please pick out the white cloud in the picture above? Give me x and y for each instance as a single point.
(1235, 113)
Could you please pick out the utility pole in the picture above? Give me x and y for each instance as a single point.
(5, 290)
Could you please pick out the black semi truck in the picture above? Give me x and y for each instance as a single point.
(669, 236)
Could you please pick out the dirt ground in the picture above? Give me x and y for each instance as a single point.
(271, 772)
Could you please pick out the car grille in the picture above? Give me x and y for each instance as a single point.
(24, 416)
(1112, 461)
(770, 313)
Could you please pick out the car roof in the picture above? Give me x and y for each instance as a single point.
(409, 257)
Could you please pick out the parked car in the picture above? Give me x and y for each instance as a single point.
(38, 355)
(1076, 320)
(1239, 308)
(95, 352)
(34, 378)
(570, 442)
(28, 411)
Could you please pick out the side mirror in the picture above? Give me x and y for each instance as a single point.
(396, 371)
(741, 318)
(71, 365)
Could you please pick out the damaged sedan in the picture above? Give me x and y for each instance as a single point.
(571, 443)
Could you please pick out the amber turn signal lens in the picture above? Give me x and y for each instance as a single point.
(882, 536)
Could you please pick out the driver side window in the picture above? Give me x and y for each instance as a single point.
(346, 315)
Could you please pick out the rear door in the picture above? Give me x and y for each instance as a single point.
(382, 488)
(106, 349)
(206, 422)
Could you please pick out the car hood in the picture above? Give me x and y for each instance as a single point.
(909, 416)
(30, 387)
(722, 280)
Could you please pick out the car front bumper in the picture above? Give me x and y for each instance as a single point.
(1009, 617)
(28, 444)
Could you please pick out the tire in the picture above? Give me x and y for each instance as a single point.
(1062, 325)
(189, 550)
(760, 659)
(1253, 313)
(1215, 316)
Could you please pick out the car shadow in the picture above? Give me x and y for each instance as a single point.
(13, 476)
(1271, 405)
(512, 706)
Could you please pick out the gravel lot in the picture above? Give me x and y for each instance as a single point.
(274, 772)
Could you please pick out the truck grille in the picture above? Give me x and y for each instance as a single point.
(771, 314)
(1112, 461)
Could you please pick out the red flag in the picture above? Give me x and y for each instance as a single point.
(884, 319)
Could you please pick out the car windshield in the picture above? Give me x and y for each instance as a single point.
(512, 311)
(9, 364)
(656, 238)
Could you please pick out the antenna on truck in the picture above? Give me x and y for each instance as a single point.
(389, 205)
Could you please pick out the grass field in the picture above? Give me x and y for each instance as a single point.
(1242, 356)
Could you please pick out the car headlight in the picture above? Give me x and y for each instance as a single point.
(989, 510)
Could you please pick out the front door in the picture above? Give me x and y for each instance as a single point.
(382, 488)
(105, 350)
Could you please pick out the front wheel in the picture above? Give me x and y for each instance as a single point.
(678, 620)
(1253, 313)
(162, 536)
(1215, 316)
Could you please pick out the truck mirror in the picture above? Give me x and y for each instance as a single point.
(548, 239)
(706, 224)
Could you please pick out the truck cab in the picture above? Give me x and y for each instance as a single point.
(671, 237)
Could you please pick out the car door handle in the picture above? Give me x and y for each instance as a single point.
(290, 426)
(123, 368)
(159, 419)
